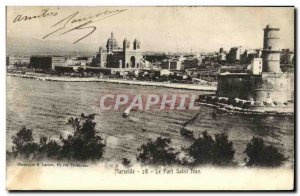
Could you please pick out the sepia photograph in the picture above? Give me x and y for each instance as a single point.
(150, 98)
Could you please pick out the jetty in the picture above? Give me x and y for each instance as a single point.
(199, 87)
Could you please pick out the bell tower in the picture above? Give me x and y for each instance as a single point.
(126, 44)
(136, 44)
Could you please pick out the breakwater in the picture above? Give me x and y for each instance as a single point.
(201, 87)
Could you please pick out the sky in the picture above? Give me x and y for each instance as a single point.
(168, 29)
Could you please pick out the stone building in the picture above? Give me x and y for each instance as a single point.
(249, 55)
(256, 66)
(287, 57)
(234, 54)
(271, 86)
(14, 61)
(43, 62)
(172, 64)
(115, 57)
(58, 61)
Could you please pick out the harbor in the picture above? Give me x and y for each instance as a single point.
(124, 135)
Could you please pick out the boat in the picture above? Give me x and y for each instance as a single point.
(125, 114)
(186, 133)
(214, 114)
(192, 120)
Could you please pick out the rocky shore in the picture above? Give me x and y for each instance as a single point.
(246, 107)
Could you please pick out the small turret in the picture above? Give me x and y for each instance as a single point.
(126, 44)
(136, 44)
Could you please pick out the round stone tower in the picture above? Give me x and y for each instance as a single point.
(271, 51)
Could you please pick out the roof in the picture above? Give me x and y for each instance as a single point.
(272, 27)
(112, 42)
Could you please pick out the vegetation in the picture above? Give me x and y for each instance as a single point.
(24, 145)
(223, 150)
(157, 152)
(126, 162)
(260, 154)
(83, 145)
(48, 148)
(206, 150)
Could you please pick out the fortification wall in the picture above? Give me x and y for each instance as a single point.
(274, 87)
(268, 87)
(234, 86)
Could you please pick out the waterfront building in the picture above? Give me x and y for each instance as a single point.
(81, 61)
(14, 61)
(164, 72)
(41, 62)
(76, 61)
(89, 60)
(256, 66)
(172, 64)
(58, 61)
(115, 57)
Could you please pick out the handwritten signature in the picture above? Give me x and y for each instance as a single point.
(44, 13)
(66, 25)
(63, 25)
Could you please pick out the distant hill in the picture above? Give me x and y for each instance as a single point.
(23, 47)
(20, 46)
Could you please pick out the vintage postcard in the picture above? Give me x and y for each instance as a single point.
(150, 98)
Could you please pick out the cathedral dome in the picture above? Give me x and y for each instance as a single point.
(112, 43)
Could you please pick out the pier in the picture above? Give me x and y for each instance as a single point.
(211, 88)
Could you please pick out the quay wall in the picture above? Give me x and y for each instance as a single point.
(200, 87)
(267, 87)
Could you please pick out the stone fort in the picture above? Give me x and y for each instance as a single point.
(115, 57)
(268, 86)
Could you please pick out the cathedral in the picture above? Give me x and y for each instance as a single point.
(115, 57)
